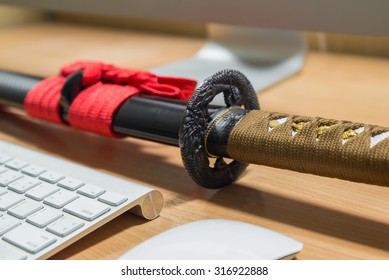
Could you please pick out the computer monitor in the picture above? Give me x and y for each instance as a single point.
(261, 38)
(368, 17)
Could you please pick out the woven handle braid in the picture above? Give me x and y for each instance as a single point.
(340, 149)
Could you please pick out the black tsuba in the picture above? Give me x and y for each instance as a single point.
(237, 91)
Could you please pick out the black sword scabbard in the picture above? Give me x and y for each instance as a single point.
(141, 116)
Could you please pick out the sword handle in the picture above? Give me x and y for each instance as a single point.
(332, 148)
(351, 151)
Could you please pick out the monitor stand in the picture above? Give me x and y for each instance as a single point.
(265, 56)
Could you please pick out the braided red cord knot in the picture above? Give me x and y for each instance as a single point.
(104, 87)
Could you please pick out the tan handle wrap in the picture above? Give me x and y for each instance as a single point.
(340, 149)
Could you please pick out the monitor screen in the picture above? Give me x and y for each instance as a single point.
(367, 17)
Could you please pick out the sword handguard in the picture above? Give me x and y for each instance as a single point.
(237, 91)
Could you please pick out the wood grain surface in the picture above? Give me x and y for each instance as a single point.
(334, 219)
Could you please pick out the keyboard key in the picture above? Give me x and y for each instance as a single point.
(51, 177)
(87, 209)
(44, 217)
(4, 158)
(112, 198)
(60, 198)
(91, 191)
(11, 253)
(16, 164)
(7, 223)
(8, 200)
(3, 169)
(24, 184)
(25, 209)
(9, 177)
(29, 238)
(65, 226)
(70, 183)
(42, 191)
(2, 191)
(33, 170)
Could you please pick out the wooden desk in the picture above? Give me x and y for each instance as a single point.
(334, 219)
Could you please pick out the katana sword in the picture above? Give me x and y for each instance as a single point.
(240, 131)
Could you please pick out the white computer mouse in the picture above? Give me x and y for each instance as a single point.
(216, 239)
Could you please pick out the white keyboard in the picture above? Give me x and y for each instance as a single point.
(48, 203)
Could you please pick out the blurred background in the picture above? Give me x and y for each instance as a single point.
(325, 42)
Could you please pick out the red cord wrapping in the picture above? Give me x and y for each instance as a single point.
(104, 88)
(42, 101)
